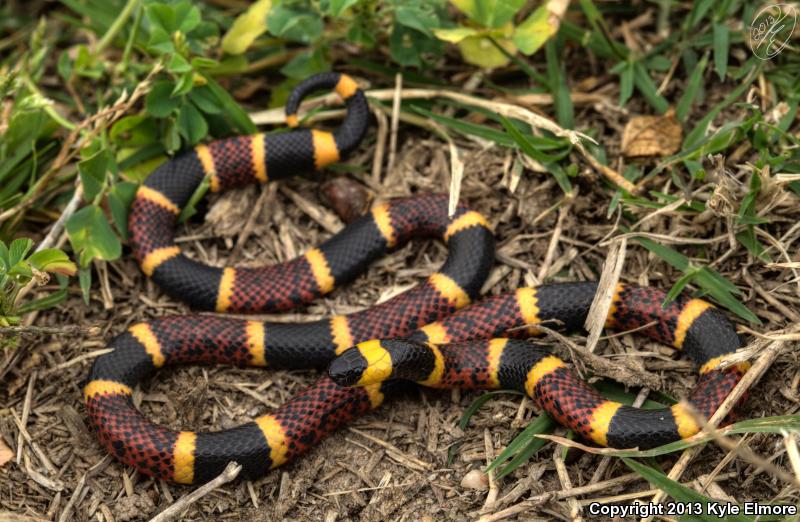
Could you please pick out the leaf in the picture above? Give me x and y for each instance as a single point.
(184, 84)
(191, 124)
(135, 131)
(187, 16)
(205, 100)
(409, 46)
(5, 453)
(92, 236)
(294, 24)
(305, 64)
(480, 51)
(18, 250)
(120, 198)
(238, 116)
(161, 16)
(160, 102)
(489, 13)
(52, 260)
(721, 48)
(92, 171)
(337, 7)
(178, 64)
(648, 136)
(455, 34)
(247, 27)
(534, 31)
(416, 18)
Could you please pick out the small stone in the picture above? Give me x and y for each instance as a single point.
(348, 198)
(475, 479)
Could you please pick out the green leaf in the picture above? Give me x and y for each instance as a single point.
(247, 27)
(191, 124)
(120, 198)
(4, 256)
(416, 18)
(178, 64)
(184, 84)
(489, 13)
(294, 25)
(337, 7)
(52, 260)
(205, 100)
(305, 64)
(187, 16)
(534, 31)
(238, 116)
(721, 48)
(92, 236)
(692, 89)
(408, 46)
(93, 174)
(160, 102)
(18, 250)
(133, 131)
(162, 16)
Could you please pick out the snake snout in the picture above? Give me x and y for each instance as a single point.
(347, 368)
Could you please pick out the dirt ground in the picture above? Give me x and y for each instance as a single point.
(392, 464)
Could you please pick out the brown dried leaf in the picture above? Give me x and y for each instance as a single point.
(647, 136)
(5, 453)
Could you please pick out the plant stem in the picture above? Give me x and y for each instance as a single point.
(116, 27)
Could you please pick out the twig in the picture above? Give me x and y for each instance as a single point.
(230, 472)
(397, 96)
(566, 483)
(491, 496)
(601, 304)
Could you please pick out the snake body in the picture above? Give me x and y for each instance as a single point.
(432, 312)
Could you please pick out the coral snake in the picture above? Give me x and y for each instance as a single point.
(434, 333)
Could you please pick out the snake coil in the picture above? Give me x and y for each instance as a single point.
(448, 339)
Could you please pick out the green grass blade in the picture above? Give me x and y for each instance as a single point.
(692, 89)
(680, 493)
(722, 43)
(480, 401)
